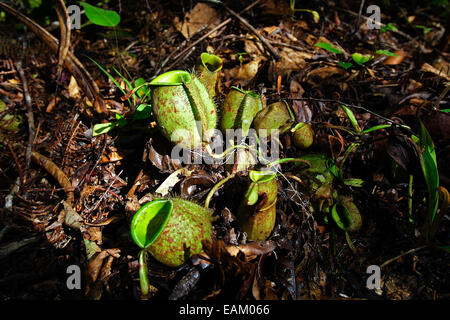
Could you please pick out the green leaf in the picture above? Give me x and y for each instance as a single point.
(445, 248)
(361, 58)
(143, 92)
(445, 110)
(328, 47)
(378, 127)
(34, 4)
(354, 182)
(108, 74)
(143, 111)
(121, 121)
(386, 53)
(430, 171)
(389, 27)
(101, 128)
(352, 118)
(91, 248)
(101, 17)
(425, 29)
(345, 65)
(149, 221)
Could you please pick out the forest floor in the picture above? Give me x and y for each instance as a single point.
(74, 206)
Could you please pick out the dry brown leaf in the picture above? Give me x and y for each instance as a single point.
(95, 234)
(441, 73)
(201, 15)
(74, 89)
(291, 60)
(271, 29)
(243, 74)
(323, 73)
(253, 48)
(252, 249)
(401, 55)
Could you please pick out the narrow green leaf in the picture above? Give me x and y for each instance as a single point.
(101, 17)
(352, 118)
(386, 53)
(430, 171)
(445, 248)
(108, 74)
(378, 127)
(328, 47)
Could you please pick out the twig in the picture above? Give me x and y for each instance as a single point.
(359, 16)
(399, 256)
(56, 172)
(76, 68)
(19, 167)
(64, 44)
(269, 47)
(223, 24)
(30, 116)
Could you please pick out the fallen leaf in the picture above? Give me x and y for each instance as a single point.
(291, 60)
(172, 180)
(201, 15)
(74, 90)
(401, 55)
(440, 73)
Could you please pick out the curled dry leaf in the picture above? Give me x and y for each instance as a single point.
(252, 249)
(426, 67)
(243, 74)
(172, 180)
(74, 89)
(317, 76)
(201, 15)
(291, 60)
(401, 55)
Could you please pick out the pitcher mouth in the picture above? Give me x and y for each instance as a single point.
(149, 221)
(172, 78)
(211, 62)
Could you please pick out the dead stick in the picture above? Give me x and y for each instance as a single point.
(83, 77)
(223, 24)
(403, 254)
(30, 116)
(271, 49)
(56, 172)
(64, 44)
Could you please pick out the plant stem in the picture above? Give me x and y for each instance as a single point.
(410, 200)
(143, 276)
(284, 160)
